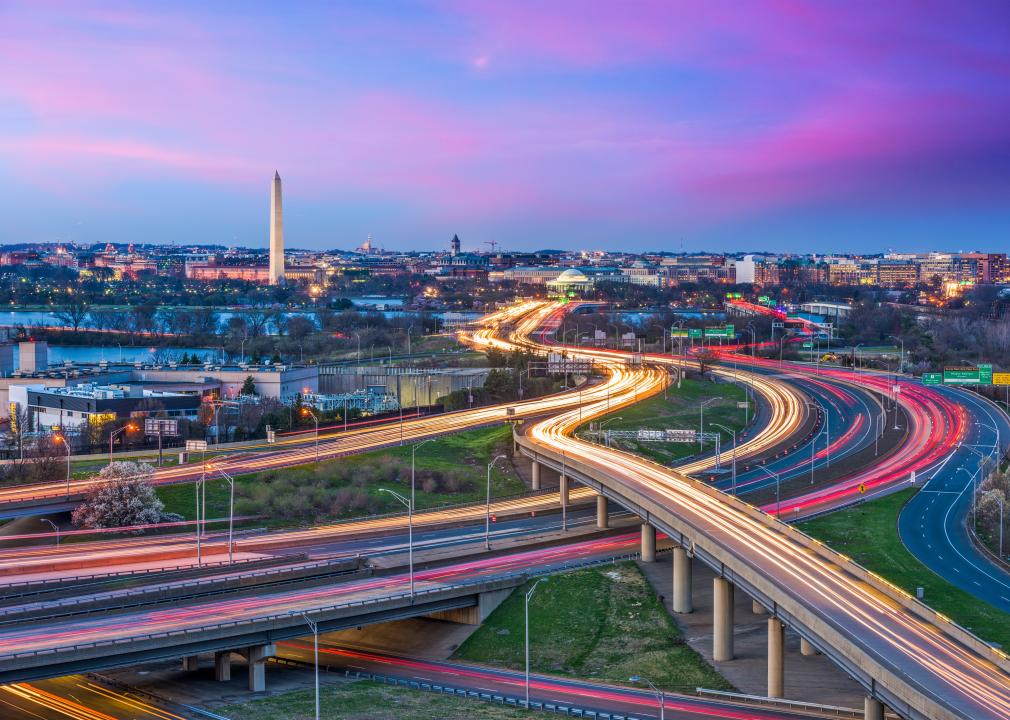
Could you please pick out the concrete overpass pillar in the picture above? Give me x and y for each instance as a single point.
(757, 608)
(682, 601)
(873, 709)
(806, 648)
(536, 475)
(563, 489)
(648, 543)
(776, 658)
(257, 657)
(602, 520)
(222, 666)
(722, 620)
(190, 663)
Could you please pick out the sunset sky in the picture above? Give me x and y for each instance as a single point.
(739, 125)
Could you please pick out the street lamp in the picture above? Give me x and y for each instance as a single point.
(410, 532)
(62, 439)
(487, 511)
(971, 476)
(701, 420)
(529, 595)
(314, 626)
(733, 433)
(901, 362)
(56, 529)
(659, 694)
(315, 419)
(604, 423)
(112, 437)
(231, 510)
(778, 484)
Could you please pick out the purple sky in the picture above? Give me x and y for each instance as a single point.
(776, 124)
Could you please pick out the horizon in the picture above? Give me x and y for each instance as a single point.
(801, 128)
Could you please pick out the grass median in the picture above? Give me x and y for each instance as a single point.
(450, 469)
(868, 533)
(601, 624)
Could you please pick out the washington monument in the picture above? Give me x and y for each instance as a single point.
(276, 233)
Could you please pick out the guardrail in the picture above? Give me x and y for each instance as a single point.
(830, 710)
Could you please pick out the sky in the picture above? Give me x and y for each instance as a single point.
(723, 125)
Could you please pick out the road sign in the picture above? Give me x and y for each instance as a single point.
(680, 332)
(933, 378)
(724, 332)
(196, 445)
(807, 345)
(997, 379)
(165, 427)
(967, 375)
(271, 436)
(742, 404)
(684, 436)
(694, 332)
(862, 488)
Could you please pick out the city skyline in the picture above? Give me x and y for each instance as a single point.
(785, 128)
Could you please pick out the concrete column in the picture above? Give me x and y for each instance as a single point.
(257, 657)
(682, 565)
(536, 475)
(563, 489)
(873, 709)
(190, 663)
(648, 543)
(722, 620)
(806, 648)
(776, 658)
(222, 666)
(602, 520)
(757, 608)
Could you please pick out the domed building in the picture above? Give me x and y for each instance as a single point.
(570, 280)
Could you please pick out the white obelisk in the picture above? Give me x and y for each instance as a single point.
(276, 233)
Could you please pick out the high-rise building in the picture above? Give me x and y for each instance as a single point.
(276, 232)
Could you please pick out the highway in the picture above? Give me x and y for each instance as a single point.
(75, 697)
(920, 663)
(568, 692)
(933, 524)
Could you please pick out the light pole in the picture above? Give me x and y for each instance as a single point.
(701, 420)
(603, 424)
(409, 328)
(410, 532)
(112, 437)
(753, 337)
(314, 626)
(999, 499)
(778, 483)
(855, 356)
(971, 476)
(529, 595)
(231, 510)
(659, 694)
(733, 433)
(487, 510)
(901, 362)
(56, 529)
(315, 419)
(66, 444)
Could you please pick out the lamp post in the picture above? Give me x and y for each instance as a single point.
(112, 437)
(231, 510)
(901, 361)
(56, 529)
(972, 475)
(409, 328)
(410, 532)
(753, 337)
(315, 419)
(66, 444)
(603, 424)
(529, 595)
(778, 483)
(701, 420)
(659, 694)
(487, 509)
(314, 626)
(999, 499)
(733, 433)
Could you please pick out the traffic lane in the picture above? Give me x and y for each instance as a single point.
(75, 697)
(933, 524)
(582, 694)
(69, 632)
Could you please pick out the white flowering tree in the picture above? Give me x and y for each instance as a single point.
(123, 496)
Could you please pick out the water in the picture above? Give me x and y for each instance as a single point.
(89, 354)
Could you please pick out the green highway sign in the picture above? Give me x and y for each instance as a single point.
(808, 345)
(932, 378)
(694, 332)
(967, 375)
(724, 332)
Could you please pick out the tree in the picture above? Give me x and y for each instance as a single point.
(123, 496)
(249, 386)
(73, 312)
(705, 359)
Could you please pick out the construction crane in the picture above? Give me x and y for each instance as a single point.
(492, 243)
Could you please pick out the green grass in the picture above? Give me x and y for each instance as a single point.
(470, 450)
(601, 624)
(868, 533)
(680, 410)
(366, 700)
